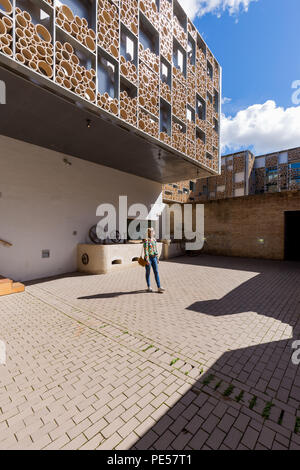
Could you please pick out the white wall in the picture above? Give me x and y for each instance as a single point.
(42, 202)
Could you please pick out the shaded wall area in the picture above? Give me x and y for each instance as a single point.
(252, 226)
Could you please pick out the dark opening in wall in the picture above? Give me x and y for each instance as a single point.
(165, 117)
(191, 50)
(210, 71)
(192, 186)
(86, 58)
(127, 86)
(216, 125)
(179, 57)
(181, 125)
(201, 108)
(201, 44)
(107, 75)
(128, 45)
(40, 14)
(82, 8)
(179, 12)
(165, 72)
(190, 113)
(149, 37)
(216, 65)
(200, 135)
(216, 101)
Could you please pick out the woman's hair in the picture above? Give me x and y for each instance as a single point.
(150, 232)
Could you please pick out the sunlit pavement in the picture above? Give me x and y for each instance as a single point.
(95, 362)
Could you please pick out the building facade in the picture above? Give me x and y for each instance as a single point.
(242, 174)
(103, 98)
(139, 64)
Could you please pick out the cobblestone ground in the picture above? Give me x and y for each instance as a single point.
(94, 362)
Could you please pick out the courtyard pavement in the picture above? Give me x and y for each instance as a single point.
(95, 362)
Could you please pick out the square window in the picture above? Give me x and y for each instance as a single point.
(129, 48)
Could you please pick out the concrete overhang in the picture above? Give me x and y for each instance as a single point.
(40, 112)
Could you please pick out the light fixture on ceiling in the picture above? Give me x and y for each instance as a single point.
(88, 123)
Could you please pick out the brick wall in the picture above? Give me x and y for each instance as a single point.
(236, 227)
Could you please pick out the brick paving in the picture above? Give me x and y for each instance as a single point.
(95, 362)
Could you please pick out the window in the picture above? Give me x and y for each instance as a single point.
(191, 51)
(216, 101)
(190, 114)
(294, 166)
(216, 125)
(180, 60)
(149, 37)
(200, 135)
(192, 186)
(165, 117)
(294, 175)
(179, 57)
(271, 179)
(209, 70)
(272, 175)
(221, 189)
(260, 162)
(107, 76)
(201, 109)
(129, 48)
(164, 72)
(239, 192)
(239, 177)
(283, 158)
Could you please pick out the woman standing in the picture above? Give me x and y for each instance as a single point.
(151, 256)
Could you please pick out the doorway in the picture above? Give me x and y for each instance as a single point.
(292, 239)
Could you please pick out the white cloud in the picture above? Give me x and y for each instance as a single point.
(265, 127)
(226, 100)
(201, 7)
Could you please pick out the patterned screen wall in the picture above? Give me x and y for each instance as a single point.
(142, 61)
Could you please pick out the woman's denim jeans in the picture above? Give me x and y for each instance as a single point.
(154, 264)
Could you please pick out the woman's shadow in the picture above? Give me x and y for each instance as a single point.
(110, 295)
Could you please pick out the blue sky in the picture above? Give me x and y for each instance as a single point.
(259, 51)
